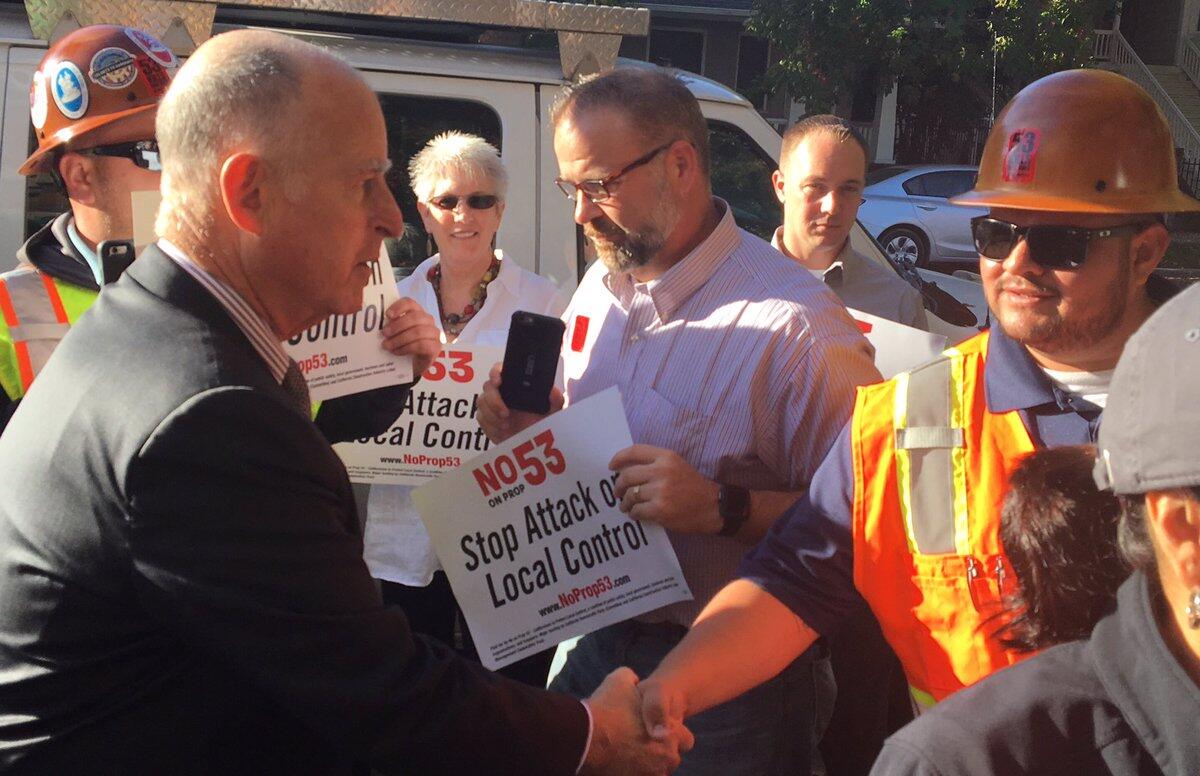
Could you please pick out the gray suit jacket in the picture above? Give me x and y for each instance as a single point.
(181, 579)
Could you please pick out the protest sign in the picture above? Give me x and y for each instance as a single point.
(344, 354)
(436, 430)
(532, 540)
(897, 347)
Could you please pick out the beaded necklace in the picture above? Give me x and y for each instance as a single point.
(453, 323)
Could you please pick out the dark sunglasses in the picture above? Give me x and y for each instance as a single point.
(475, 201)
(1052, 247)
(143, 153)
(599, 190)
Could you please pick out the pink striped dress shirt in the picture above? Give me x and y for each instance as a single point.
(736, 358)
(264, 341)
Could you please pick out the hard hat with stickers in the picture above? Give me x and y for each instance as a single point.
(96, 77)
(1080, 141)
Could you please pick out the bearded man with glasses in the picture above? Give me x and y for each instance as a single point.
(903, 515)
(736, 368)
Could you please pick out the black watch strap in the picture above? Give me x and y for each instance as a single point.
(733, 505)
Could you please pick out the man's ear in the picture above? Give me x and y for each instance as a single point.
(683, 163)
(241, 183)
(426, 218)
(1148, 249)
(777, 184)
(1175, 515)
(79, 177)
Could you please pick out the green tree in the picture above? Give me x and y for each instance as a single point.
(940, 52)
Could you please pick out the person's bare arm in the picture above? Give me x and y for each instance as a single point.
(744, 637)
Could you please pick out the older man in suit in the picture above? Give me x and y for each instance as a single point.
(181, 581)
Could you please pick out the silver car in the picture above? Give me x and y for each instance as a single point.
(905, 208)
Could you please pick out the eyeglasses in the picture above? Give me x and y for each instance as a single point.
(143, 153)
(474, 202)
(599, 190)
(1052, 247)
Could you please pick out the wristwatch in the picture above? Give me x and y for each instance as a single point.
(733, 505)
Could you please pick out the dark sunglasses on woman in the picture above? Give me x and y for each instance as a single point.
(474, 202)
(1052, 247)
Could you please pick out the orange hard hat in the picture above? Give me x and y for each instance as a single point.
(1080, 141)
(96, 77)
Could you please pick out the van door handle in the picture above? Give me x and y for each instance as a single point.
(928, 207)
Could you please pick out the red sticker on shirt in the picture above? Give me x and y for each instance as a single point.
(1020, 156)
(579, 333)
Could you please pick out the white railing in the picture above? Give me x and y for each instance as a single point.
(870, 133)
(1189, 59)
(1112, 47)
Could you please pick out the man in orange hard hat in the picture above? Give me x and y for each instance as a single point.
(903, 514)
(92, 103)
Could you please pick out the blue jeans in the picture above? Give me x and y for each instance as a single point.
(771, 730)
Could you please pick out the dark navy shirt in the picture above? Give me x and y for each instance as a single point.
(806, 560)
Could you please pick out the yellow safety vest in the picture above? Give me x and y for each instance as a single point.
(36, 312)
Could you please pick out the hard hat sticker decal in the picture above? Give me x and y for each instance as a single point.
(153, 47)
(112, 68)
(156, 74)
(39, 103)
(1020, 156)
(70, 92)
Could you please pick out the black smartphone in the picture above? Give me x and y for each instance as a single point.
(115, 257)
(530, 361)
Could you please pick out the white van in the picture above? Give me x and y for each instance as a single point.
(501, 94)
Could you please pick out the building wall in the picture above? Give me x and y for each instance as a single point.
(1152, 28)
(722, 38)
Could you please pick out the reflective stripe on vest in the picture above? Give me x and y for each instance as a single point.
(930, 469)
(35, 320)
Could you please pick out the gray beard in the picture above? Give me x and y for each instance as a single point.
(637, 249)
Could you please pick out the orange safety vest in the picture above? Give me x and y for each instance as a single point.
(931, 465)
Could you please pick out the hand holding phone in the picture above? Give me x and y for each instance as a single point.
(531, 361)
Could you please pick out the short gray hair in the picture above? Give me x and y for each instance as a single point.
(248, 94)
(657, 103)
(456, 152)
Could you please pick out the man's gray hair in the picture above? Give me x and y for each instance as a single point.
(657, 103)
(247, 95)
(456, 152)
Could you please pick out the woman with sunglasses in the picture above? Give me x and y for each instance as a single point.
(472, 289)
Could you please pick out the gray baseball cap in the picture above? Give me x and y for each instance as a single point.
(1150, 430)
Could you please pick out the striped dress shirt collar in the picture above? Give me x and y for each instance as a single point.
(265, 342)
(669, 291)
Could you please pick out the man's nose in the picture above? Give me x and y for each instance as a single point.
(585, 209)
(388, 216)
(1020, 262)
